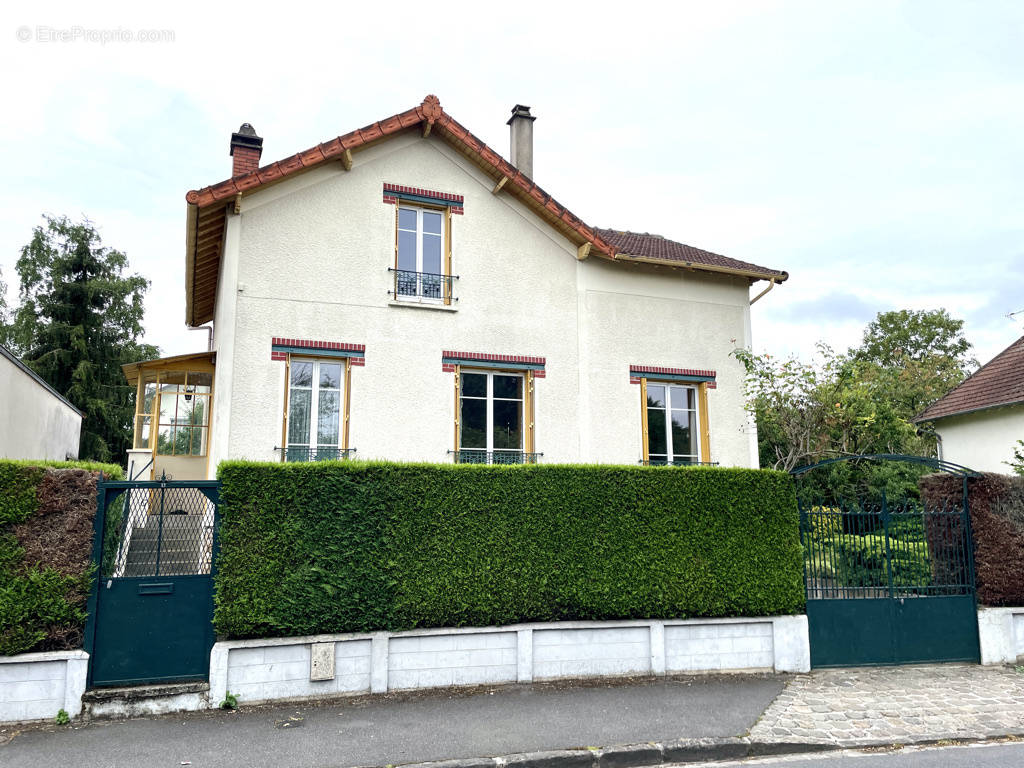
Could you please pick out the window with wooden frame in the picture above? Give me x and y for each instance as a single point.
(423, 258)
(674, 422)
(494, 416)
(316, 409)
(172, 412)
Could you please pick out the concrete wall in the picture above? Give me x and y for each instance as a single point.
(983, 441)
(273, 669)
(1001, 634)
(308, 259)
(35, 423)
(36, 686)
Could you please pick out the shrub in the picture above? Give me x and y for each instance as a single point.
(356, 546)
(46, 514)
(997, 524)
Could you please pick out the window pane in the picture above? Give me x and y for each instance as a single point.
(298, 416)
(302, 374)
(200, 382)
(474, 385)
(508, 386)
(656, 396)
(508, 423)
(165, 438)
(148, 398)
(330, 376)
(684, 437)
(431, 254)
(328, 418)
(406, 219)
(432, 222)
(473, 424)
(142, 431)
(682, 397)
(655, 431)
(168, 404)
(407, 251)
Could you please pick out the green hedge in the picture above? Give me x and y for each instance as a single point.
(42, 607)
(357, 546)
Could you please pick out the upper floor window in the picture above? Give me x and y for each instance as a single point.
(421, 271)
(672, 425)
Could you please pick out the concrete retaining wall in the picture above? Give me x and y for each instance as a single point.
(36, 686)
(328, 665)
(1001, 634)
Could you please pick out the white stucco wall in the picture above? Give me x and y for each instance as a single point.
(34, 422)
(983, 440)
(308, 259)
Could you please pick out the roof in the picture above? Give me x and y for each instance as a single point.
(206, 206)
(5, 352)
(998, 383)
(642, 244)
(202, 360)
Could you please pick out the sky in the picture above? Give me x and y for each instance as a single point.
(871, 149)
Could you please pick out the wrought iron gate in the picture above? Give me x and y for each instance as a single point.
(151, 606)
(889, 583)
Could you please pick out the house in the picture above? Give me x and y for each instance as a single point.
(980, 421)
(36, 421)
(405, 292)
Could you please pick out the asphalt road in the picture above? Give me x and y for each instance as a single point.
(394, 729)
(1009, 755)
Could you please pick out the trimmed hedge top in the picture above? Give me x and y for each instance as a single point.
(354, 546)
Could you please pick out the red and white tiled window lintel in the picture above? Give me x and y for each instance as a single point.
(357, 351)
(450, 359)
(394, 192)
(637, 372)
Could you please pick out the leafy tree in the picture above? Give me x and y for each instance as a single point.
(77, 323)
(925, 349)
(4, 328)
(862, 402)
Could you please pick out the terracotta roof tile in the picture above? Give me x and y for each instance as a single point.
(658, 247)
(999, 382)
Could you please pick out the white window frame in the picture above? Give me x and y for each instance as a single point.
(695, 426)
(489, 400)
(314, 404)
(419, 211)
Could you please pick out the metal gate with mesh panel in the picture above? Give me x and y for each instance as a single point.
(151, 607)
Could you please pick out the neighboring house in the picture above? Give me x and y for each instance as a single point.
(980, 421)
(36, 422)
(405, 291)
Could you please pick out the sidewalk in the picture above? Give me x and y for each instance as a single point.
(769, 714)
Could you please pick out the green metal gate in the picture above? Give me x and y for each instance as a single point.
(151, 606)
(889, 583)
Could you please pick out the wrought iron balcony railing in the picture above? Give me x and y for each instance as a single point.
(678, 463)
(423, 285)
(470, 456)
(308, 453)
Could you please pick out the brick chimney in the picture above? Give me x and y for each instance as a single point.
(521, 129)
(246, 148)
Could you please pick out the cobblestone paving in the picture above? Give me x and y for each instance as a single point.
(896, 704)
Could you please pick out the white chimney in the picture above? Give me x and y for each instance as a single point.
(521, 129)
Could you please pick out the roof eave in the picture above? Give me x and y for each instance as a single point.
(924, 417)
(778, 277)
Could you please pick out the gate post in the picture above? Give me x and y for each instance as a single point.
(98, 528)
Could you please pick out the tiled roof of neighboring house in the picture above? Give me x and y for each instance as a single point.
(999, 382)
(205, 222)
(663, 249)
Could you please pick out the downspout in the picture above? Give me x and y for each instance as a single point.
(771, 284)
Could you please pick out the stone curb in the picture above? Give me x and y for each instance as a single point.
(681, 751)
(634, 755)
